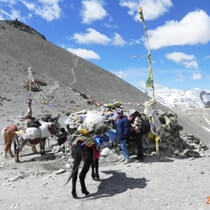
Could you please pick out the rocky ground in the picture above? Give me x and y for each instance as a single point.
(172, 184)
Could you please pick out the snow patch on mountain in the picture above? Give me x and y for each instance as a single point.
(181, 100)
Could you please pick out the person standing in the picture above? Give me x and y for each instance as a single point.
(62, 137)
(28, 114)
(136, 132)
(122, 128)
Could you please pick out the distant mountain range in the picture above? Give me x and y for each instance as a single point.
(179, 100)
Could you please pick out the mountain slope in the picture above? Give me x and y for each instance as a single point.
(69, 79)
(58, 64)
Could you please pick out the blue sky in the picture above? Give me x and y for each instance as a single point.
(109, 34)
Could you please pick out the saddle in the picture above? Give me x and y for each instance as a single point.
(47, 118)
(33, 124)
(86, 141)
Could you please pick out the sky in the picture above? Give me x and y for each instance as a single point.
(110, 34)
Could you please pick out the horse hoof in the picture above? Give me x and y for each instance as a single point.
(74, 195)
(86, 193)
(97, 178)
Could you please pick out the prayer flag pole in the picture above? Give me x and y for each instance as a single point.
(150, 81)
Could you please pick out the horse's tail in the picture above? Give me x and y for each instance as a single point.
(72, 173)
(3, 134)
(75, 163)
(68, 180)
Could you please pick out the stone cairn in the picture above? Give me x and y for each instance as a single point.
(172, 142)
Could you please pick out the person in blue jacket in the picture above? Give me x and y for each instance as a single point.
(123, 127)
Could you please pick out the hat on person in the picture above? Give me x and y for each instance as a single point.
(29, 101)
(132, 111)
(119, 111)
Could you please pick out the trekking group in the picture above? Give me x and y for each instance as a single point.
(133, 127)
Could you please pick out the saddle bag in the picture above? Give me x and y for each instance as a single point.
(33, 124)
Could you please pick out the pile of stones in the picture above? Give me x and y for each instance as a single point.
(172, 142)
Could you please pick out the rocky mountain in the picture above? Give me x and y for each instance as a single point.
(67, 83)
(25, 48)
(71, 83)
(189, 99)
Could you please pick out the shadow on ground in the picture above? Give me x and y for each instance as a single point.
(47, 157)
(117, 183)
(151, 159)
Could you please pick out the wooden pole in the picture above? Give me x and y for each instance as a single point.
(149, 56)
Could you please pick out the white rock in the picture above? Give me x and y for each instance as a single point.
(15, 178)
(60, 171)
(68, 165)
(59, 154)
(105, 152)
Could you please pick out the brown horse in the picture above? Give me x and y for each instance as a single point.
(9, 134)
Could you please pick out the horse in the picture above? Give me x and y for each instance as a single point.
(85, 149)
(33, 136)
(9, 134)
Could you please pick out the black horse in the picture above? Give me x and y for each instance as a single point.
(84, 149)
(80, 152)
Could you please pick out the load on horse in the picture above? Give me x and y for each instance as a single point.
(86, 148)
(33, 136)
(33, 132)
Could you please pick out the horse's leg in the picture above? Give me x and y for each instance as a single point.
(93, 169)
(48, 142)
(42, 147)
(74, 176)
(6, 140)
(5, 150)
(84, 171)
(34, 149)
(16, 152)
(10, 152)
(94, 172)
(10, 145)
(96, 169)
(18, 147)
(44, 143)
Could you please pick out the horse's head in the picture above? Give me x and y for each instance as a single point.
(54, 128)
